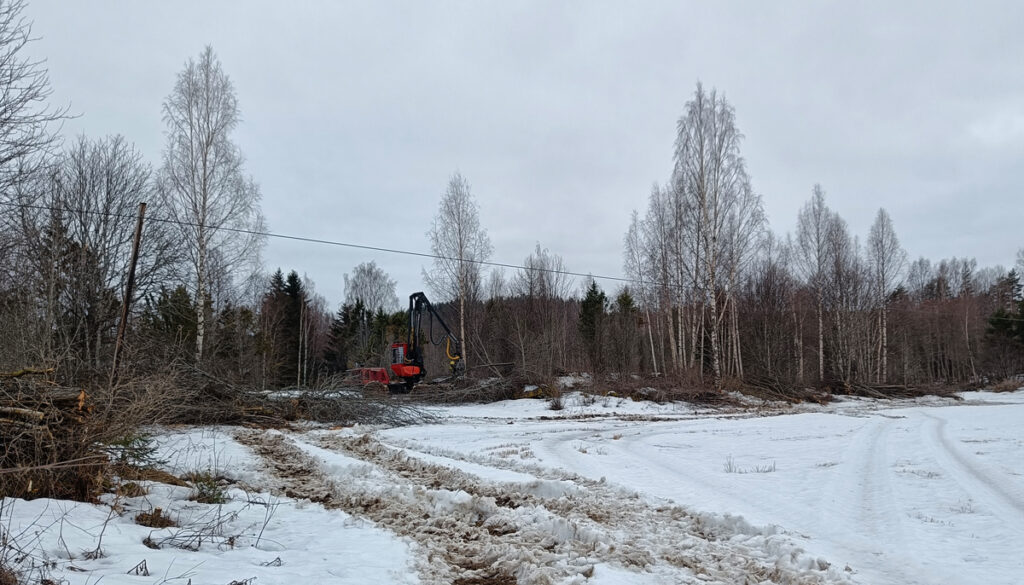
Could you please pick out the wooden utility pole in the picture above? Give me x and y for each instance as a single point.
(129, 290)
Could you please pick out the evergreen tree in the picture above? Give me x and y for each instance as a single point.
(1004, 336)
(171, 318)
(336, 354)
(292, 329)
(624, 341)
(592, 312)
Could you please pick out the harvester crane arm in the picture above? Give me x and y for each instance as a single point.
(407, 358)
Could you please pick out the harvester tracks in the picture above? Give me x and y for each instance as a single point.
(470, 530)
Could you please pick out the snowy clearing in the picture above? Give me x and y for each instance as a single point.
(605, 491)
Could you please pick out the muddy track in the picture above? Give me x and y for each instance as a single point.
(473, 531)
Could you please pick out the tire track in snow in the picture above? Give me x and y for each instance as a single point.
(620, 522)
(875, 489)
(622, 509)
(474, 531)
(854, 494)
(973, 475)
(860, 495)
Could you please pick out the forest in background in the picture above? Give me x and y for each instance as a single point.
(711, 296)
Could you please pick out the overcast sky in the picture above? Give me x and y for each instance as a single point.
(562, 115)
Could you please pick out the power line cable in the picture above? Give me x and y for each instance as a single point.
(351, 245)
(318, 241)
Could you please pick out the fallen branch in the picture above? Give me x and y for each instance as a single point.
(25, 372)
(23, 413)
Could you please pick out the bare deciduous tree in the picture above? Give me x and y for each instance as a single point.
(202, 184)
(497, 286)
(635, 267)
(711, 176)
(886, 259)
(25, 118)
(460, 244)
(541, 331)
(814, 224)
(543, 276)
(75, 241)
(371, 285)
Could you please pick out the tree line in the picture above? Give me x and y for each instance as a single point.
(713, 296)
(730, 300)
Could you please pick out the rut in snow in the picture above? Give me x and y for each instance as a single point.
(473, 531)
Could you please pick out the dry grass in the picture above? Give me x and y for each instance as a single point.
(1008, 386)
(154, 519)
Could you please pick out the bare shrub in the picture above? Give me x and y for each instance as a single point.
(555, 401)
(731, 467)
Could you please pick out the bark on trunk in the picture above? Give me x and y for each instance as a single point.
(821, 339)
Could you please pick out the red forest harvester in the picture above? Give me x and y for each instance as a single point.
(407, 358)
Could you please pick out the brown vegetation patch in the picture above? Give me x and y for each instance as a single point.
(154, 519)
(487, 578)
(56, 437)
(1008, 386)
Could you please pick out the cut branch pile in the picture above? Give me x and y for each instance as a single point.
(773, 389)
(892, 390)
(213, 400)
(468, 390)
(42, 432)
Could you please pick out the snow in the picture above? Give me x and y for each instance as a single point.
(918, 491)
(255, 535)
(605, 491)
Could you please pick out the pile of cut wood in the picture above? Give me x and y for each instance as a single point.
(43, 433)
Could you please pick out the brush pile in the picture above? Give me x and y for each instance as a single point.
(44, 429)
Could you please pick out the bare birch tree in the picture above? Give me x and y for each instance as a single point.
(634, 266)
(814, 225)
(886, 259)
(202, 185)
(459, 244)
(711, 175)
(659, 229)
(541, 287)
(371, 285)
(543, 276)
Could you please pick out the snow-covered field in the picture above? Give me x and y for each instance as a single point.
(605, 491)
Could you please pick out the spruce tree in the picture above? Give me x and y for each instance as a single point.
(592, 310)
